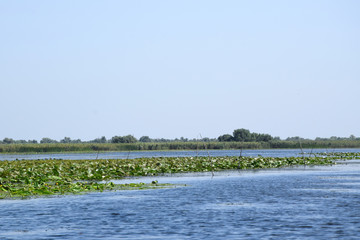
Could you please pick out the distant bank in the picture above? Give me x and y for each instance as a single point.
(149, 146)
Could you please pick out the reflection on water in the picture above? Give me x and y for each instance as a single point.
(295, 203)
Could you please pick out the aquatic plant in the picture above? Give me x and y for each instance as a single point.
(341, 155)
(22, 178)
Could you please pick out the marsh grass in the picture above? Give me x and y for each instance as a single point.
(96, 147)
(158, 146)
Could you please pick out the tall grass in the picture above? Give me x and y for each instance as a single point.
(150, 146)
(316, 144)
(91, 147)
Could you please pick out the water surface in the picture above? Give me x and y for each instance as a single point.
(294, 203)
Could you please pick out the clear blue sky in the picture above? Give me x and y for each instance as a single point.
(86, 69)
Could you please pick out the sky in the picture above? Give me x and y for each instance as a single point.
(183, 68)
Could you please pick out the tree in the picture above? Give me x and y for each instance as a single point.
(130, 139)
(264, 138)
(8, 140)
(145, 139)
(225, 138)
(47, 140)
(334, 138)
(124, 139)
(66, 140)
(242, 135)
(296, 138)
(205, 139)
(103, 139)
(117, 139)
(99, 140)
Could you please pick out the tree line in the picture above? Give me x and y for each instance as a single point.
(115, 139)
(244, 135)
(238, 135)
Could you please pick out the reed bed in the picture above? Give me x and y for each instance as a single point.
(139, 146)
(94, 147)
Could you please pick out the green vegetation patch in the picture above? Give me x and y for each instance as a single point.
(162, 146)
(25, 178)
(55, 188)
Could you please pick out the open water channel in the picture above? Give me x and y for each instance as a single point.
(180, 153)
(294, 203)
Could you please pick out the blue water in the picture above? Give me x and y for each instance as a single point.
(185, 153)
(293, 203)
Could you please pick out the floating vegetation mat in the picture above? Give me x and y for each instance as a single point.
(31, 178)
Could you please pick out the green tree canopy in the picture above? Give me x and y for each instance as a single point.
(225, 138)
(8, 140)
(145, 139)
(124, 139)
(242, 135)
(47, 140)
(66, 140)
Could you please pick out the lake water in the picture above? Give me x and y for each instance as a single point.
(185, 153)
(294, 203)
